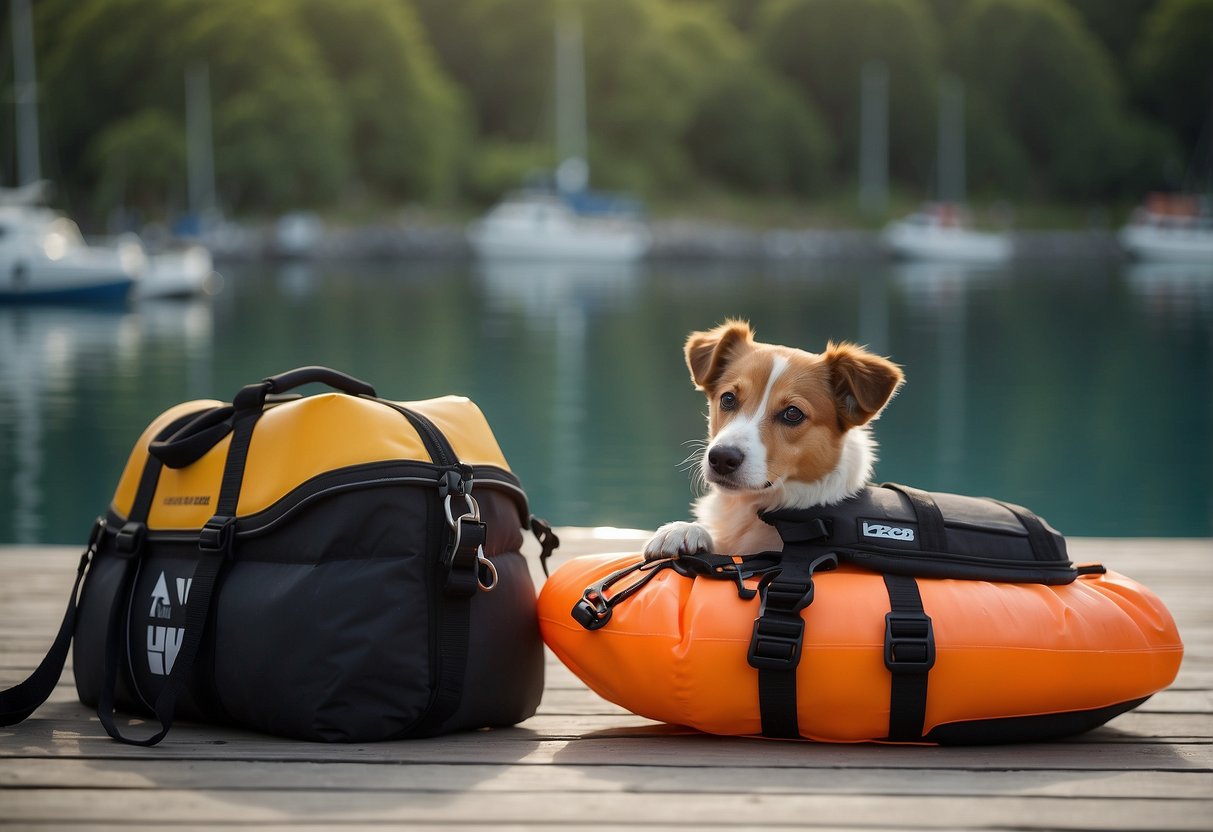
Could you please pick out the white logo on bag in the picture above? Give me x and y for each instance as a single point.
(163, 643)
(890, 532)
(161, 606)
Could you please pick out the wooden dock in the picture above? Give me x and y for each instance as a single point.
(584, 763)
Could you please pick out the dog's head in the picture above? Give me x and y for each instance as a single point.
(780, 417)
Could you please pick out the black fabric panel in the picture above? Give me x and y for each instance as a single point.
(503, 681)
(321, 629)
(335, 652)
(97, 598)
(1027, 728)
(982, 539)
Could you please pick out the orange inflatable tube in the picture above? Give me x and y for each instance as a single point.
(1012, 661)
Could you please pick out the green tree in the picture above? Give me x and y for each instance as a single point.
(280, 131)
(822, 45)
(500, 52)
(753, 133)
(1174, 70)
(137, 162)
(406, 118)
(1040, 77)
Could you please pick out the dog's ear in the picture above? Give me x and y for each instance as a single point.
(863, 383)
(708, 353)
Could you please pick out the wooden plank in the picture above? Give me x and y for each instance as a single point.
(582, 759)
(171, 806)
(257, 775)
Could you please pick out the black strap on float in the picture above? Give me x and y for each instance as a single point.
(778, 638)
(909, 654)
(931, 534)
(1043, 544)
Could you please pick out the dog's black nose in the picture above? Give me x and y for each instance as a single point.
(725, 459)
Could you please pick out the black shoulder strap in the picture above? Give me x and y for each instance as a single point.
(214, 547)
(19, 701)
(909, 654)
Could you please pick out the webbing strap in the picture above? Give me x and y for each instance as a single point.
(778, 640)
(909, 654)
(214, 545)
(931, 532)
(19, 701)
(1044, 545)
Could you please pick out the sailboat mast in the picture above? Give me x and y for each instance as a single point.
(572, 172)
(200, 155)
(874, 138)
(25, 90)
(950, 142)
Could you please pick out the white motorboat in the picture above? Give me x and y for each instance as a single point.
(940, 231)
(44, 258)
(542, 226)
(184, 273)
(1171, 228)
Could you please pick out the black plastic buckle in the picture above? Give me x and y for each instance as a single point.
(216, 535)
(592, 611)
(787, 596)
(909, 642)
(129, 539)
(776, 642)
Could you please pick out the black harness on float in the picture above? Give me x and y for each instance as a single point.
(901, 532)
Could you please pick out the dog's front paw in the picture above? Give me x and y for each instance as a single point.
(674, 539)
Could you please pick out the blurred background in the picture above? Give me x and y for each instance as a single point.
(532, 202)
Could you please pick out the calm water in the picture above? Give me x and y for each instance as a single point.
(1084, 391)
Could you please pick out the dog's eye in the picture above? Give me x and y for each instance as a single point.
(792, 415)
(728, 401)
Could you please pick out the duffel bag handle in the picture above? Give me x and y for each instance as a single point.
(194, 439)
(252, 397)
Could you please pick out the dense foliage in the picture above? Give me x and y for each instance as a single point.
(318, 103)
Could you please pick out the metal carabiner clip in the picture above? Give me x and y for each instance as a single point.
(484, 565)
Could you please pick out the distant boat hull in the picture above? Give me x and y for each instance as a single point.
(93, 291)
(537, 227)
(178, 274)
(43, 259)
(952, 244)
(1179, 245)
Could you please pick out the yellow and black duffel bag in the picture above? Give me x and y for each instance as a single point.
(337, 567)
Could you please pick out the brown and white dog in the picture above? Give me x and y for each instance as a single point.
(786, 429)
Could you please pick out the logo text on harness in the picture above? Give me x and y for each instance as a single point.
(889, 532)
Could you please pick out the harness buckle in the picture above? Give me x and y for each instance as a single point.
(776, 642)
(909, 642)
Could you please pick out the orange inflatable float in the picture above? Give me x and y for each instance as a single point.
(774, 644)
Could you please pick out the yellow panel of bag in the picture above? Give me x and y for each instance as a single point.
(292, 442)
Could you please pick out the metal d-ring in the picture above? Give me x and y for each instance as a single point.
(473, 509)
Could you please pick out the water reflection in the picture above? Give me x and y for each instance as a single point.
(558, 301)
(1081, 389)
(1173, 290)
(63, 372)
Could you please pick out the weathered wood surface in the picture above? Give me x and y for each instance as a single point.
(585, 762)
